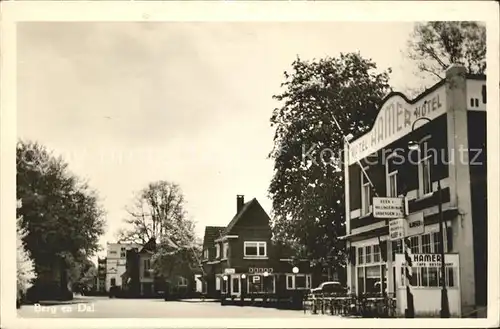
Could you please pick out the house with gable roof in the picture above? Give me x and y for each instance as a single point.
(240, 260)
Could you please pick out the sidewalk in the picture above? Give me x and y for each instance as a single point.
(75, 300)
(198, 300)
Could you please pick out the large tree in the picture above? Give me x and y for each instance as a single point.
(437, 45)
(61, 214)
(158, 212)
(25, 266)
(307, 188)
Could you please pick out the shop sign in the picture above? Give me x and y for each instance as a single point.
(396, 229)
(388, 207)
(415, 224)
(260, 270)
(431, 260)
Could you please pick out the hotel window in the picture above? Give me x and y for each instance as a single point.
(366, 200)
(225, 250)
(436, 242)
(360, 256)
(113, 282)
(426, 244)
(376, 253)
(260, 284)
(123, 252)
(414, 245)
(218, 280)
(255, 249)
(424, 169)
(217, 250)
(368, 257)
(391, 177)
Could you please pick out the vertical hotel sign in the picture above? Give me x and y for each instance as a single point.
(395, 120)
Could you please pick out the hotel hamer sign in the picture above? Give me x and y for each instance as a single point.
(395, 120)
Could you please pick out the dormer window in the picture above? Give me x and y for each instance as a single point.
(225, 250)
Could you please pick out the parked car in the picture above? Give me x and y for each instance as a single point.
(329, 288)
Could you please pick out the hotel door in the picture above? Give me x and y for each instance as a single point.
(235, 285)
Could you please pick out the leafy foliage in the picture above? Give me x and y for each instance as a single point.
(307, 188)
(25, 267)
(158, 212)
(437, 45)
(60, 213)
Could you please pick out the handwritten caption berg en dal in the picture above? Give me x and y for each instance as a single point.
(70, 308)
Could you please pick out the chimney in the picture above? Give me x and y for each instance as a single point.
(240, 201)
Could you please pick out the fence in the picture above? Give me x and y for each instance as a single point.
(370, 306)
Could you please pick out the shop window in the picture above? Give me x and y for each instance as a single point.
(368, 256)
(236, 285)
(376, 253)
(433, 276)
(260, 284)
(372, 276)
(366, 200)
(426, 244)
(298, 281)
(255, 249)
(360, 256)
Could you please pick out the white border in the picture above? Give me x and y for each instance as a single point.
(13, 11)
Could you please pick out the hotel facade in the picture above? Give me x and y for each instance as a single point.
(448, 122)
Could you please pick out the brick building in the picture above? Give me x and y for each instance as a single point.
(452, 150)
(240, 260)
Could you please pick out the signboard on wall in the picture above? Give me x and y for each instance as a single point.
(396, 229)
(388, 207)
(260, 270)
(395, 120)
(429, 260)
(256, 279)
(229, 271)
(415, 224)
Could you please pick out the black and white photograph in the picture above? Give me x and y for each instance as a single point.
(296, 170)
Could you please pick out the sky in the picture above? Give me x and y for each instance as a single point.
(126, 104)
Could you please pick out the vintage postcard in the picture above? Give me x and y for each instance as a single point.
(204, 164)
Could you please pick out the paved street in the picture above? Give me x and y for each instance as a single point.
(103, 307)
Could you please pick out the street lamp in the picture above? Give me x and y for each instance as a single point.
(445, 308)
(243, 287)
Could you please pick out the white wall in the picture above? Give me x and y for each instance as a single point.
(427, 301)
